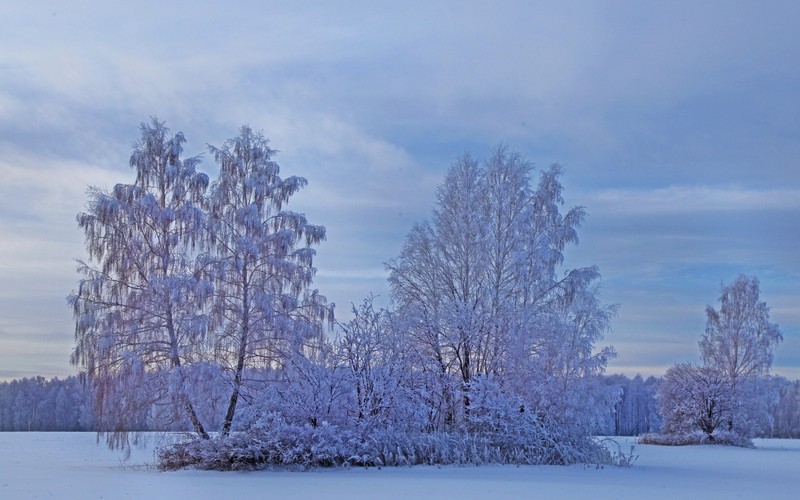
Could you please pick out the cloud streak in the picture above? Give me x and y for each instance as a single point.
(693, 199)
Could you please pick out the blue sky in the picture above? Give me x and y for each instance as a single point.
(678, 124)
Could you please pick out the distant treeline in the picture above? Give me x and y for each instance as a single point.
(39, 404)
(636, 411)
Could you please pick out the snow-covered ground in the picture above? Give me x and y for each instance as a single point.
(73, 465)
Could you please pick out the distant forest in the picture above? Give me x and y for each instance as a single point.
(39, 404)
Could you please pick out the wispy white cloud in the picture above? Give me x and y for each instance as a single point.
(693, 199)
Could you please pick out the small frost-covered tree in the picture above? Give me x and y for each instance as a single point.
(260, 257)
(698, 398)
(731, 392)
(139, 316)
(378, 369)
(562, 376)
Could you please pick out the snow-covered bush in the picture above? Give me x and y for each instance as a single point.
(378, 370)
(275, 442)
(718, 436)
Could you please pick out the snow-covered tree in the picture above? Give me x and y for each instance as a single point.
(731, 392)
(139, 317)
(739, 342)
(696, 398)
(480, 291)
(561, 377)
(260, 257)
(739, 339)
(379, 378)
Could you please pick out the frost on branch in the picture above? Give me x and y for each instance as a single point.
(139, 309)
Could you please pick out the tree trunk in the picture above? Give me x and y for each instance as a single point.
(237, 377)
(176, 363)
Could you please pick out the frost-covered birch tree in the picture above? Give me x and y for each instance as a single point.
(738, 343)
(261, 257)
(139, 315)
(480, 289)
(739, 339)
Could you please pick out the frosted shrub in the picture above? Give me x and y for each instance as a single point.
(278, 443)
(696, 437)
(497, 429)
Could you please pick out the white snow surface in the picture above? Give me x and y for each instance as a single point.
(74, 465)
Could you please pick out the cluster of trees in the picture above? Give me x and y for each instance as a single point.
(37, 404)
(196, 307)
(191, 285)
(638, 411)
(484, 305)
(728, 397)
(196, 310)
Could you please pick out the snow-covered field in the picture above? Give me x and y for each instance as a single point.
(73, 465)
